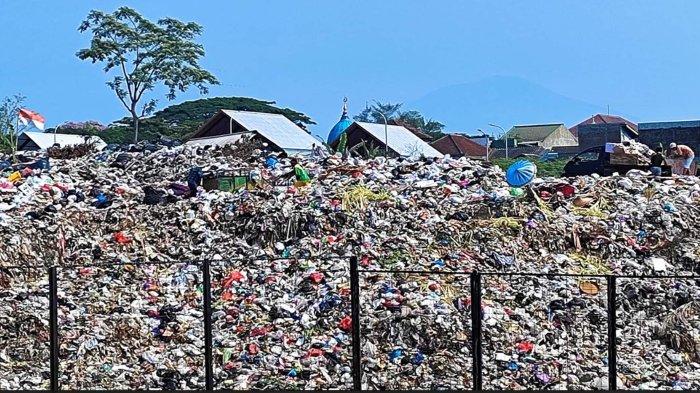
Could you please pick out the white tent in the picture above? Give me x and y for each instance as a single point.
(398, 138)
(275, 128)
(43, 140)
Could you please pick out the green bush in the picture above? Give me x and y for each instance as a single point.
(554, 168)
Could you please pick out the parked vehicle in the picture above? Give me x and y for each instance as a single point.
(597, 160)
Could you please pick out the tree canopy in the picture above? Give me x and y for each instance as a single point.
(373, 113)
(181, 120)
(140, 55)
(9, 111)
(412, 118)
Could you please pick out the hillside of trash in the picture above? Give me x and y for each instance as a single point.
(128, 228)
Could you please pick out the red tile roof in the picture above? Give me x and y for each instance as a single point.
(603, 119)
(458, 145)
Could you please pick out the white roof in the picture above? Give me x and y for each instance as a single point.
(47, 139)
(217, 140)
(400, 140)
(277, 129)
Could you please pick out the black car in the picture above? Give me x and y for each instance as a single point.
(597, 160)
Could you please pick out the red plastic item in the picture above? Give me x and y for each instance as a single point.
(346, 324)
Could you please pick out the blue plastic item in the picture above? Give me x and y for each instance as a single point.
(395, 354)
(271, 162)
(520, 173)
(418, 358)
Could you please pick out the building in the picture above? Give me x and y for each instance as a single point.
(277, 131)
(518, 151)
(592, 135)
(602, 119)
(546, 136)
(663, 133)
(416, 131)
(400, 141)
(457, 145)
(43, 140)
(483, 140)
(341, 125)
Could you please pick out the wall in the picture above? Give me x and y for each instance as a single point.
(561, 137)
(683, 135)
(591, 135)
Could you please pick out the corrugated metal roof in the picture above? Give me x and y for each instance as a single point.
(533, 133)
(277, 129)
(46, 139)
(218, 140)
(400, 140)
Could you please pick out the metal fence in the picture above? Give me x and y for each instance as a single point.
(470, 285)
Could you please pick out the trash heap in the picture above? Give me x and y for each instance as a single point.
(629, 153)
(129, 230)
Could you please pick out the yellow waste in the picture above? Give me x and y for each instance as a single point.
(15, 177)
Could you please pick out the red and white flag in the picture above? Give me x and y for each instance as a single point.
(26, 116)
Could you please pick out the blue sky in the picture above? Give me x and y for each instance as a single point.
(639, 57)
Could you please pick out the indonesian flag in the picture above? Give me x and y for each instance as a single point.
(26, 116)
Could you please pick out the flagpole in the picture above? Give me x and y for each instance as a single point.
(16, 140)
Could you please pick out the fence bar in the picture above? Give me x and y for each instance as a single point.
(355, 307)
(475, 304)
(415, 272)
(53, 326)
(612, 333)
(208, 360)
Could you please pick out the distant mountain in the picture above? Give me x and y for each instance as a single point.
(502, 100)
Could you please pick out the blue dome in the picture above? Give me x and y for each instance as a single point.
(341, 125)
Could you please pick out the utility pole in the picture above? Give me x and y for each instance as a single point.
(488, 142)
(386, 130)
(505, 135)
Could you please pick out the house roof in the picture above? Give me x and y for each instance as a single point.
(274, 127)
(459, 145)
(47, 139)
(400, 140)
(218, 140)
(420, 134)
(533, 133)
(603, 119)
(670, 124)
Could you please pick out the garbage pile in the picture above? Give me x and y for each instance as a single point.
(629, 152)
(280, 252)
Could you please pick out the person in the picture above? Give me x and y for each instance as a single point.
(685, 153)
(657, 159)
(298, 171)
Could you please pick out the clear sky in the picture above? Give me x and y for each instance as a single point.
(639, 57)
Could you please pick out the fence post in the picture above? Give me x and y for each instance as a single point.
(53, 327)
(612, 333)
(475, 304)
(356, 340)
(208, 361)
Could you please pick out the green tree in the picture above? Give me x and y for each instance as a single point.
(416, 120)
(9, 132)
(373, 113)
(410, 118)
(140, 55)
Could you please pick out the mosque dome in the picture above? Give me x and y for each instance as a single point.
(341, 125)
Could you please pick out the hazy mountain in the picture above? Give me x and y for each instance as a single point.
(501, 100)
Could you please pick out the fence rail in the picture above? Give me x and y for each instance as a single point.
(476, 318)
